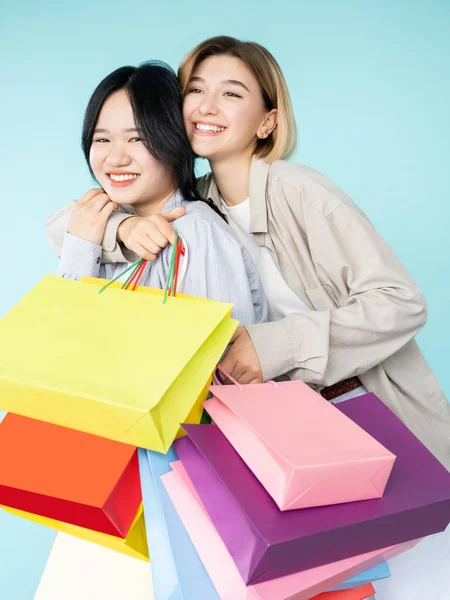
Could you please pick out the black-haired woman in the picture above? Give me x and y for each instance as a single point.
(136, 146)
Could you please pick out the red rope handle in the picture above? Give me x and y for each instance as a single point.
(133, 277)
(180, 252)
(139, 275)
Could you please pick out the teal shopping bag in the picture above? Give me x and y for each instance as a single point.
(178, 573)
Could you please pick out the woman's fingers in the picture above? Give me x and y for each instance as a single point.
(98, 202)
(89, 195)
(90, 215)
(163, 225)
(149, 234)
(174, 214)
(143, 252)
(152, 234)
(152, 231)
(109, 208)
(241, 360)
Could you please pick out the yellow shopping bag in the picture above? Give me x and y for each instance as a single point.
(120, 364)
(135, 544)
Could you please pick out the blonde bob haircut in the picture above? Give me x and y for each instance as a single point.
(281, 143)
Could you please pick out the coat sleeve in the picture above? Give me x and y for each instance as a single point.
(381, 312)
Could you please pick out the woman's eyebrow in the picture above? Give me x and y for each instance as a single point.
(235, 82)
(130, 130)
(225, 82)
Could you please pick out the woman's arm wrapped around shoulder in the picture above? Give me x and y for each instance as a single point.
(57, 225)
(141, 234)
(375, 306)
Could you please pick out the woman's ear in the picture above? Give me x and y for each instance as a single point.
(268, 125)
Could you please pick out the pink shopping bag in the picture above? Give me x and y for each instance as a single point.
(303, 451)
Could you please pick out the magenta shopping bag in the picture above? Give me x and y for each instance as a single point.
(266, 543)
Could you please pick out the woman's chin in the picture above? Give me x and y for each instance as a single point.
(123, 201)
(121, 196)
(207, 154)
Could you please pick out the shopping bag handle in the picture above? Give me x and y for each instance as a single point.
(174, 277)
(233, 381)
(225, 374)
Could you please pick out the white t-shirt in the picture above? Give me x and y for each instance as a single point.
(281, 299)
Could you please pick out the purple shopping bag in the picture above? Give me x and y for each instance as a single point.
(266, 543)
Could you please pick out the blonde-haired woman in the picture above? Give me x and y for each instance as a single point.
(343, 309)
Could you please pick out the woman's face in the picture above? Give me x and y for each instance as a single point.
(223, 110)
(121, 163)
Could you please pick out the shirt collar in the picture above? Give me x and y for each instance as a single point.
(173, 202)
(259, 173)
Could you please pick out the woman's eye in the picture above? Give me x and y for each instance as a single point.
(101, 140)
(193, 91)
(232, 95)
(136, 139)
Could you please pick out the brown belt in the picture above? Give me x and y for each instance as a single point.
(342, 387)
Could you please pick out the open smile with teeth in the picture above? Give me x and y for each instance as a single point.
(214, 128)
(125, 177)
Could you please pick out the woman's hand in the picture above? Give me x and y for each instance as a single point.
(90, 215)
(147, 236)
(241, 360)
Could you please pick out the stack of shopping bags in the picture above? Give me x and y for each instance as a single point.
(178, 570)
(284, 497)
(289, 497)
(88, 377)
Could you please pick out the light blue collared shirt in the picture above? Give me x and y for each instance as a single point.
(218, 266)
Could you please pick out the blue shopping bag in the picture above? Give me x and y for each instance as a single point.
(381, 571)
(178, 573)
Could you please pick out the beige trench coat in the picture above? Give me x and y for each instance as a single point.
(365, 308)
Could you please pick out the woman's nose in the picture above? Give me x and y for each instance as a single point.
(118, 156)
(208, 106)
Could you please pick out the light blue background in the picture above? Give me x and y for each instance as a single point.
(371, 91)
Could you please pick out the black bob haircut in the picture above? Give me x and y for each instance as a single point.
(156, 100)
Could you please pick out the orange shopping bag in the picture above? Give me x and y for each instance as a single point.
(68, 475)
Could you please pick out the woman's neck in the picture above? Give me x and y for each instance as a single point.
(232, 178)
(154, 206)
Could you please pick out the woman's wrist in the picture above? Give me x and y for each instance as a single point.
(125, 228)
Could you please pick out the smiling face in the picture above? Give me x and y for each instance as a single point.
(121, 163)
(223, 110)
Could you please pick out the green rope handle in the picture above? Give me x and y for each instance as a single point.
(135, 265)
(171, 273)
(139, 263)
